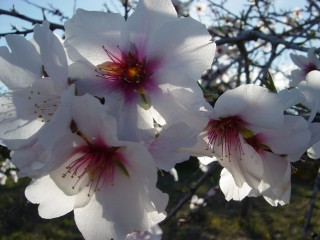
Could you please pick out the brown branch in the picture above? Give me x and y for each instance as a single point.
(14, 13)
(253, 35)
(191, 192)
(312, 206)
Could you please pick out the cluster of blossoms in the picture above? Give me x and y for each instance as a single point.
(91, 119)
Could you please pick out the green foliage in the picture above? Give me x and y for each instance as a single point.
(252, 218)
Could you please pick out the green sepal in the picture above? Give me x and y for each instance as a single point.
(144, 104)
(247, 133)
(120, 166)
(269, 83)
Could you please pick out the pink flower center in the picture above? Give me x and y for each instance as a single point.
(128, 72)
(95, 165)
(309, 67)
(128, 68)
(225, 134)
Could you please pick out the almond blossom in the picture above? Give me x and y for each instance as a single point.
(154, 233)
(251, 137)
(89, 171)
(305, 64)
(35, 83)
(310, 89)
(124, 63)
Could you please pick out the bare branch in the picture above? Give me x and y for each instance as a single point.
(253, 35)
(312, 206)
(13, 13)
(191, 192)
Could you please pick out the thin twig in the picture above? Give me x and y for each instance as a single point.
(191, 192)
(312, 206)
(53, 26)
(253, 35)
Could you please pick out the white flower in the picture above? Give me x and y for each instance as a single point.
(174, 174)
(297, 14)
(200, 7)
(310, 88)
(154, 233)
(30, 155)
(277, 194)
(205, 161)
(3, 178)
(109, 184)
(197, 202)
(255, 142)
(314, 150)
(305, 64)
(35, 81)
(141, 67)
(166, 148)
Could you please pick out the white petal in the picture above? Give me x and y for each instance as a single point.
(166, 148)
(253, 104)
(58, 163)
(277, 171)
(85, 78)
(296, 77)
(174, 173)
(60, 122)
(310, 89)
(157, 13)
(189, 47)
(314, 151)
(22, 66)
(135, 123)
(293, 137)
(108, 214)
(315, 132)
(244, 164)
(276, 185)
(86, 120)
(299, 60)
(291, 97)
(29, 159)
(229, 188)
(87, 32)
(16, 128)
(52, 54)
(184, 97)
(93, 224)
(207, 160)
(53, 202)
(201, 148)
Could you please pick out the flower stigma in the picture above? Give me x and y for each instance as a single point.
(127, 71)
(225, 134)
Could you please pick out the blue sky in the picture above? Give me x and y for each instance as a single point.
(67, 7)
